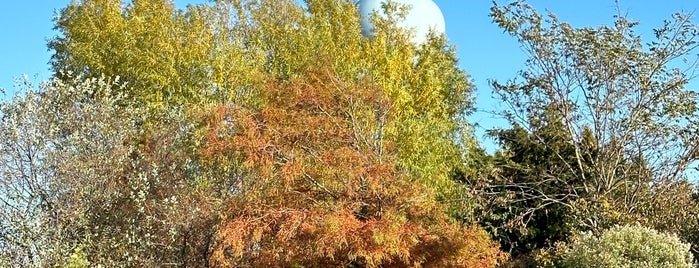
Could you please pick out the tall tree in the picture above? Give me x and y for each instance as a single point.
(325, 188)
(79, 174)
(226, 51)
(142, 172)
(602, 120)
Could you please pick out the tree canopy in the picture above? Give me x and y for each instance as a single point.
(249, 133)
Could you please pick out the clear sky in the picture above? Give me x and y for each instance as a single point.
(485, 51)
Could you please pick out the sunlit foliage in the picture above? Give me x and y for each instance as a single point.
(325, 187)
(239, 133)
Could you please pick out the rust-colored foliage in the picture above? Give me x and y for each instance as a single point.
(324, 188)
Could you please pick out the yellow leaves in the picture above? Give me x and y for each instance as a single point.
(161, 52)
(307, 143)
(227, 53)
(330, 129)
(428, 94)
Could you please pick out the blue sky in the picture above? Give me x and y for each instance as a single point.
(485, 51)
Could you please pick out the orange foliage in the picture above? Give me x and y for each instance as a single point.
(324, 188)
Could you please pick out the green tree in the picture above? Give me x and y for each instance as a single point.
(602, 122)
(163, 53)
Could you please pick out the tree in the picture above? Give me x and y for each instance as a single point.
(419, 105)
(602, 122)
(26, 202)
(163, 53)
(227, 51)
(82, 180)
(325, 188)
(132, 171)
(41, 131)
(531, 192)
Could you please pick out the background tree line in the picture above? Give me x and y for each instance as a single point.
(246, 133)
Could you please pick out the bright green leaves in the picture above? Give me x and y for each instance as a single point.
(431, 97)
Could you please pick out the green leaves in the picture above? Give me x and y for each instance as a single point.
(227, 51)
(597, 117)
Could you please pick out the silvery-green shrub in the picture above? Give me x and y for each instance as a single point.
(626, 246)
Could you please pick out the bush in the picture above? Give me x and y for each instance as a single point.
(626, 246)
(78, 259)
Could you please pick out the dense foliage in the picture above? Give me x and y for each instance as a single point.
(325, 187)
(239, 133)
(625, 246)
(250, 133)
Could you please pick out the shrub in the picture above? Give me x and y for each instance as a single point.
(626, 246)
(78, 259)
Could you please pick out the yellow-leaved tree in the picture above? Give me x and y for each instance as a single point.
(261, 133)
